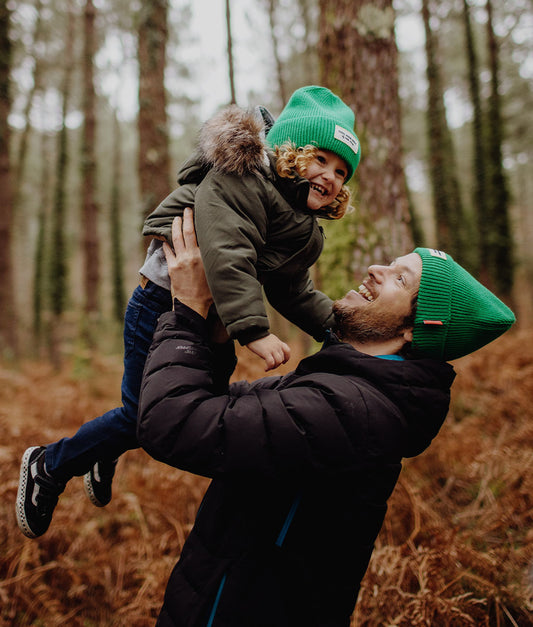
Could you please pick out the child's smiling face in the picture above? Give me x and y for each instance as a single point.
(326, 174)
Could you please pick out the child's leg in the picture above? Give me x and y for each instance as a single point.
(113, 433)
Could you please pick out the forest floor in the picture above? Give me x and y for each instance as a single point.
(456, 547)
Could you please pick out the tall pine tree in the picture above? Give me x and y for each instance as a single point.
(154, 156)
(479, 157)
(58, 267)
(8, 336)
(450, 219)
(499, 237)
(90, 210)
(359, 59)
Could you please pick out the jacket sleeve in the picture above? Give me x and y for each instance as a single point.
(159, 222)
(296, 299)
(231, 225)
(273, 428)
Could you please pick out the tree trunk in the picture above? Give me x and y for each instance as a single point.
(479, 165)
(8, 327)
(310, 57)
(90, 210)
(359, 60)
(154, 156)
(58, 270)
(117, 257)
(500, 241)
(231, 71)
(36, 86)
(39, 276)
(449, 212)
(282, 91)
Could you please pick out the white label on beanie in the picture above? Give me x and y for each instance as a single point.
(437, 253)
(347, 138)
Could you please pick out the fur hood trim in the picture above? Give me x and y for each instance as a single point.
(232, 142)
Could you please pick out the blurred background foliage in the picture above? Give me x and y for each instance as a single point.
(102, 101)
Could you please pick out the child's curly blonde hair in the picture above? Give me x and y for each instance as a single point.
(292, 161)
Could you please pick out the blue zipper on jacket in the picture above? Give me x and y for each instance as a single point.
(288, 520)
(217, 600)
(279, 542)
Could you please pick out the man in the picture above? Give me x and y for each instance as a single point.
(302, 464)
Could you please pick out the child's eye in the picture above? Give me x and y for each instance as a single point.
(341, 173)
(320, 159)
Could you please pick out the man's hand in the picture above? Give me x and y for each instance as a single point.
(272, 350)
(187, 276)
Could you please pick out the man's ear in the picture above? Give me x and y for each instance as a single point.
(408, 334)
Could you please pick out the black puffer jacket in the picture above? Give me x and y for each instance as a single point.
(254, 229)
(302, 468)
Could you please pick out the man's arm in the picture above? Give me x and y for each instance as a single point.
(276, 427)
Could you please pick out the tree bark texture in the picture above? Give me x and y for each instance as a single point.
(499, 237)
(282, 90)
(479, 162)
(154, 156)
(8, 327)
(449, 214)
(90, 210)
(117, 256)
(39, 275)
(35, 88)
(58, 269)
(231, 67)
(359, 60)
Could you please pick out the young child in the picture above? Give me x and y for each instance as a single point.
(255, 213)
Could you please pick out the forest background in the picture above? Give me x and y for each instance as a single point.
(100, 103)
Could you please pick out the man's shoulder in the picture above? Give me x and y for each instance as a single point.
(341, 364)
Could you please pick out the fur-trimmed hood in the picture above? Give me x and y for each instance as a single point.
(232, 141)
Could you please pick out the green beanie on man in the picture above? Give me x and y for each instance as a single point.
(316, 116)
(455, 313)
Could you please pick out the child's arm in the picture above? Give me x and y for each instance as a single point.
(232, 225)
(272, 350)
(296, 299)
(159, 223)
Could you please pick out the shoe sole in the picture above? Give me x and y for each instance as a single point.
(88, 485)
(21, 494)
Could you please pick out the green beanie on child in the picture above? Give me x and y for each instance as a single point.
(455, 314)
(316, 116)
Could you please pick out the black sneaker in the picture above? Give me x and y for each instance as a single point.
(37, 494)
(97, 482)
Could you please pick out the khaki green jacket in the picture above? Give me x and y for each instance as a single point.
(253, 227)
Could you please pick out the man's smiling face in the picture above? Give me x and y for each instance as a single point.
(378, 311)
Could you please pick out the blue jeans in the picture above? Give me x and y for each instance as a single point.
(110, 435)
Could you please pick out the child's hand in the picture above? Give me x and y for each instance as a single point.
(272, 350)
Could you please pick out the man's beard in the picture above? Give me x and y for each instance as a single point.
(365, 324)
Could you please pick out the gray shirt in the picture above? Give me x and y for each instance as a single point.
(155, 265)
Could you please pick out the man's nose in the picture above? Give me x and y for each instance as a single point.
(377, 272)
